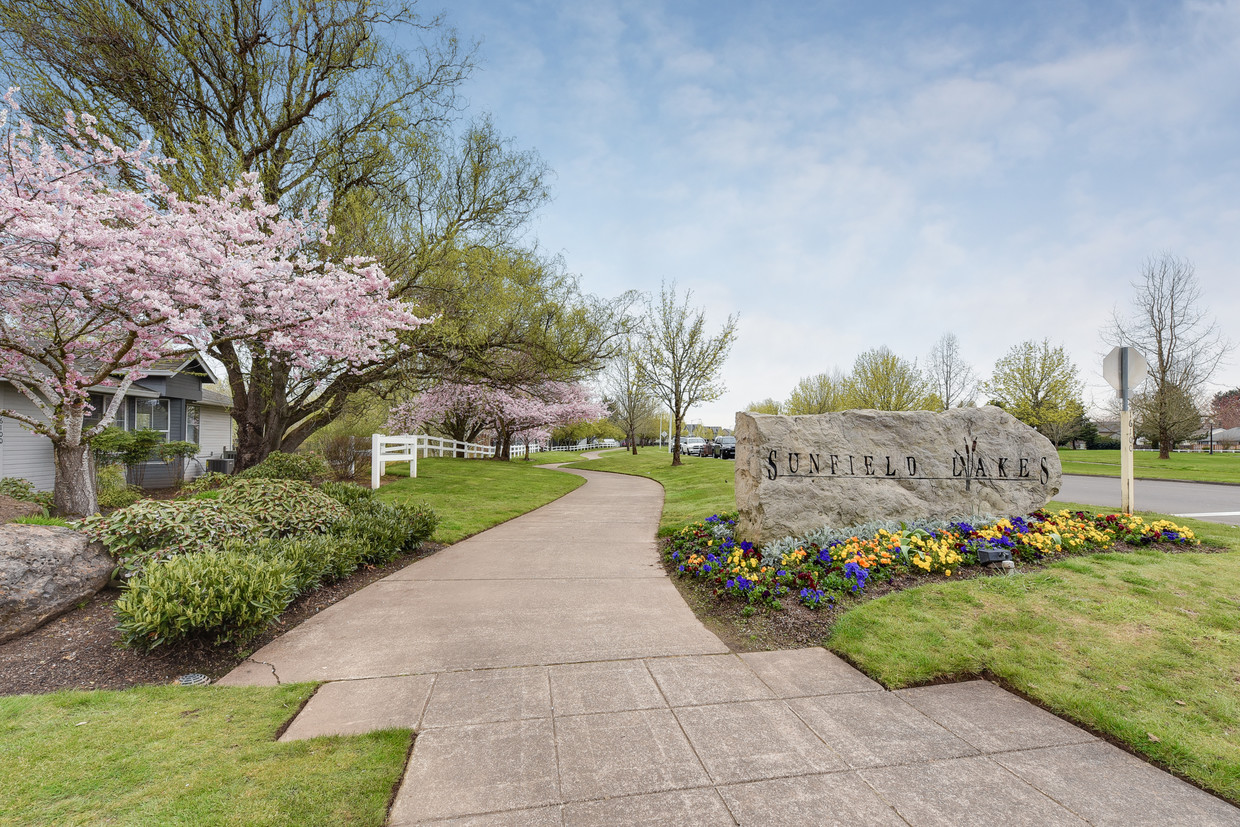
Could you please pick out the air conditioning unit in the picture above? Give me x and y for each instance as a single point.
(220, 466)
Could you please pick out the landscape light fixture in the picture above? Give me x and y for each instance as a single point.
(986, 556)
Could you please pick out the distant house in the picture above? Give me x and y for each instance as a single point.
(174, 398)
(1107, 428)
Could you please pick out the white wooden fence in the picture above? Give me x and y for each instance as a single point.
(407, 448)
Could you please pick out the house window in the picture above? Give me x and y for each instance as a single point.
(193, 423)
(100, 404)
(152, 414)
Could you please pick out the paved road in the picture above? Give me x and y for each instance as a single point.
(1204, 501)
(555, 677)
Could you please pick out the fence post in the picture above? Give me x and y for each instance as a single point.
(413, 461)
(376, 460)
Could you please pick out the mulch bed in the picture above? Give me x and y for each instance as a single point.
(81, 649)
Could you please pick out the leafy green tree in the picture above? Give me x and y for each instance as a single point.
(820, 393)
(1165, 416)
(766, 406)
(306, 94)
(678, 359)
(577, 431)
(132, 449)
(882, 381)
(1038, 385)
(511, 318)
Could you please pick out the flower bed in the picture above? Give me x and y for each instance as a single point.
(815, 569)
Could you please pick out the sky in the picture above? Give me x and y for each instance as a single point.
(846, 175)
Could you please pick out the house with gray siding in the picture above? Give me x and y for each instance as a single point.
(176, 398)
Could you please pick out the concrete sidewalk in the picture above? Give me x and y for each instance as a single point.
(555, 677)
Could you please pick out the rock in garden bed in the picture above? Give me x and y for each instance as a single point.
(44, 572)
(12, 509)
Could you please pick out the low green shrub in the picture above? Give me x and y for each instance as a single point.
(348, 494)
(41, 520)
(281, 466)
(221, 595)
(388, 529)
(210, 481)
(111, 488)
(155, 530)
(283, 507)
(119, 498)
(21, 489)
(314, 559)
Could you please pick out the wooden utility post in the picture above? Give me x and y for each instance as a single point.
(1125, 368)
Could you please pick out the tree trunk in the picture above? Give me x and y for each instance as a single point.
(75, 494)
(676, 442)
(1164, 444)
(633, 441)
(254, 443)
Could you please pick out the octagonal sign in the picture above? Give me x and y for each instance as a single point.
(1138, 368)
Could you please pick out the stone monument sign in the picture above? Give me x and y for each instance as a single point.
(798, 473)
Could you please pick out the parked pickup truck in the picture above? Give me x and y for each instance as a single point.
(694, 446)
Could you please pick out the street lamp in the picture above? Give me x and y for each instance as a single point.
(1210, 425)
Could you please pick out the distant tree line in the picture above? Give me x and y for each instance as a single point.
(1039, 384)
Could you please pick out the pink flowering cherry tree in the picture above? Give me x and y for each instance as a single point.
(455, 409)
(547, 406)
(98, 281)
(465, 411)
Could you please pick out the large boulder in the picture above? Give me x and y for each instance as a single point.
(798, 473)
(44, 572)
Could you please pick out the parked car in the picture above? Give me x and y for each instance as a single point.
(694, 446)
(723, 447)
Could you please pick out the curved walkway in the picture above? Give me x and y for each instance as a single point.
(555, 677)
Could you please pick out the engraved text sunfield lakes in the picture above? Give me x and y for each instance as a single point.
(966, 465)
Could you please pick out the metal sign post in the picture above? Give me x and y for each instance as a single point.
(1125, 368)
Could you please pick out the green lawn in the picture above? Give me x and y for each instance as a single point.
(1146, 465)
(1144, 647)
(471, 495)
(186, 756)
(698, 488)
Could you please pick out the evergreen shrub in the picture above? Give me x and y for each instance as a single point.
(348, 494)
(219, 595)
(281, 466)
(21, 489)
(282, 507)
(388, 529)
(153, 530)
